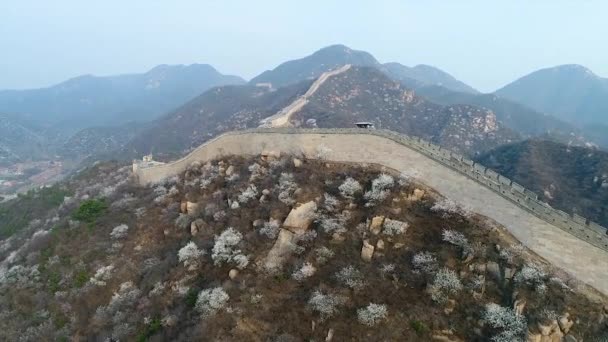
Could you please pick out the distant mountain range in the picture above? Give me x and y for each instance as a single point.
(571, 178)
(88, 101)
(570, 92)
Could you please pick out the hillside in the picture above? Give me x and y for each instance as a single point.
(366, 94)
(20, 141)
(524, 120)
(274, 249)
(571, 92)
(213, 112)
(574, 179)
(426, 75)
(88, 100)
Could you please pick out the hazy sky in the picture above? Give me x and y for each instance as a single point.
(483, 43)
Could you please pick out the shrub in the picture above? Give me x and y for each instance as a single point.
(350, 188)
(190, 255)
(351, 277)
(210, 301)
(380, 189)
(287, 187)
(102, 275)
(183, 221)
(533, 276)
(270, 229)
(425, 262)
(323, 254)
(90, 210)
(331, 225)
(511, 325)
(306, 271)
(446, 282)
(325, 304)
(394, 227)
(248, 194)
(225, 251)
(448, 207)
(119, 231)
(419, 327)
(257, 171)
(372, 314)
(330, 203)
(458, 239)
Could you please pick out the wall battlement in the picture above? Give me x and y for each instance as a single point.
(228, 143)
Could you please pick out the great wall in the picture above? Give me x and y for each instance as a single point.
(573, 243)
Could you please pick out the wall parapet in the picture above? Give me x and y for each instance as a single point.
(575, 225)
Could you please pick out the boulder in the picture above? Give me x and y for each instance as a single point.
(230, 170)
(192, 208)
(283, 248)
(519, 306)
(565, 323)
(376, 225)
(297, 162)
(416, 196)
(300, 218)
(266, 192)
(532, 337)
(380, 244)
(233, 273)
(367, 251)
(183, 207)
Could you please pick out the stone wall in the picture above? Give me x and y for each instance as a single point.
(306, 141)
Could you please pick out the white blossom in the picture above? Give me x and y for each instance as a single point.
(119, 232)
(225, 250)
(350, 188)
(210, 301)
(190, 255)
(372, 314)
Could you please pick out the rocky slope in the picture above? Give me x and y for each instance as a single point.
(366, 94)
(276, 249)
(522, 119)
(571, 92)
(574, 179)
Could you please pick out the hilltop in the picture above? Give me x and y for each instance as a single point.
(280, 249)
(571, 92)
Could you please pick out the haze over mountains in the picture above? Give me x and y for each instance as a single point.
(88, 100)
(171, 110)
(570, 92)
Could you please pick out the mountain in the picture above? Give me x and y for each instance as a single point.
(211, 113)
(571, 178)
(99, 141)
(524, 120)
(245, 248)
(340, 100)
(313, 66)
(87, 101)
(367, 94)
(334, 56)
(426, 75)
(570, 92)
(20, 141)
